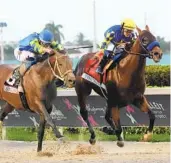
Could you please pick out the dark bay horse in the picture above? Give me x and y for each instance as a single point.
(40, 89)
(125, 83)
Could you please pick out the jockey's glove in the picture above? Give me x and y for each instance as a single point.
(49, 50)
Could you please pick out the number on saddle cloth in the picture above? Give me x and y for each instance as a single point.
(14, 79)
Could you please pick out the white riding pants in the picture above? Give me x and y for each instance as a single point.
(22, 55)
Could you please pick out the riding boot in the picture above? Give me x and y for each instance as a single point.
(22, 70)
(102, 65)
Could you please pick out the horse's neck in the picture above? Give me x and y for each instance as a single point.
(135, 63)
(44, 71)
(131, 68)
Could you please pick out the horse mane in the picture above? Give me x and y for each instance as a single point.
(44, 57)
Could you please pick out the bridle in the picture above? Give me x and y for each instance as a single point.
(147, 49)
(60, 76)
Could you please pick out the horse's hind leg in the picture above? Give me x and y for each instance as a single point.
(83, 91)
(144, 106)
(6, 108)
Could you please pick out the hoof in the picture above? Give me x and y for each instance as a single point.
(120, 143)
(62, 140)
(147, 137)
(92, 141)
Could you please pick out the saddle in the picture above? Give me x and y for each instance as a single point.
(11, 85)
(14, 79)
(90, 73)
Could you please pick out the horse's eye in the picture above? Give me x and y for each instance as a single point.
(145, 41)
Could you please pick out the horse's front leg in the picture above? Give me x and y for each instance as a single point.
(41, 131)
(82, 92)
(84, 114)
(118, 129)
(142, 104)
(48, 119)
(108, 117)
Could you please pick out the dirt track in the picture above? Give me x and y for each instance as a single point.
(76, 152)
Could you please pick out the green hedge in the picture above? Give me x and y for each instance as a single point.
(104, 134)
(157, 75)
(141, 130)
(127, 130)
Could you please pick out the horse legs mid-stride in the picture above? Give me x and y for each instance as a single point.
(125, 83)
(40, 90)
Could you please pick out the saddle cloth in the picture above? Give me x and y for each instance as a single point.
(90, 73)
(12, 82)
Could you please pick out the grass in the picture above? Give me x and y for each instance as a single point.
(21, 134)
(29, 134)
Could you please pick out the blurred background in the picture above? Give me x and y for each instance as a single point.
(79, 23)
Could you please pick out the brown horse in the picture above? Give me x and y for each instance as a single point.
(123, 83)
(40, 89)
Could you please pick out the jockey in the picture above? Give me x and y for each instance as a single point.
(32, 46)
(116, 38)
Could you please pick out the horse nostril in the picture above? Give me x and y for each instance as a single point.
(71, 81)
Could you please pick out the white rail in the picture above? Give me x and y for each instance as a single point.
(149, 91)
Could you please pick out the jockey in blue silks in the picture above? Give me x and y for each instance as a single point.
(116, 38)
(32, 46)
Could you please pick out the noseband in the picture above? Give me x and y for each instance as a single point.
(60, 76)
(148, 48)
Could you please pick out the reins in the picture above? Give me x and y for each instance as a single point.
(60, 76)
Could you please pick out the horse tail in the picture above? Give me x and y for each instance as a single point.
(81, 63)
(76, 68)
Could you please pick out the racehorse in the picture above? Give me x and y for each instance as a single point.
(40, 89)
(123, 83)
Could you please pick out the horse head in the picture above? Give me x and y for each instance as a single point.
(61, 67)
(149, 44)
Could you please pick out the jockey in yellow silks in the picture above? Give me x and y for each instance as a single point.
(115, 36)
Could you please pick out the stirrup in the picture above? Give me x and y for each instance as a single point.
(99, 70)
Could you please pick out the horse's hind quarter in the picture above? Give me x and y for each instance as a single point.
(7, 72)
